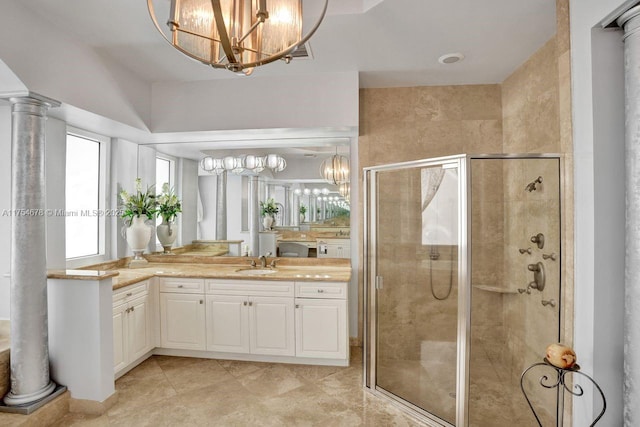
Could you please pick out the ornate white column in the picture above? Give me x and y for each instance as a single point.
(630, 22)
(30, 381)
(254, 216)
(221, 206)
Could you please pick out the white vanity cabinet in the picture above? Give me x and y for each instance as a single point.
(250, 317)
(333, 248)
(182, 313)
(321, 320)
(133, 324)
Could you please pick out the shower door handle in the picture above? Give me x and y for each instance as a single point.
(378, 282)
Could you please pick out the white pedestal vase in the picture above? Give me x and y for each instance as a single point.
(167, 233)
(138, 235)
(267, 222)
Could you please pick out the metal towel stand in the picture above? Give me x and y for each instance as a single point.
(561, 384)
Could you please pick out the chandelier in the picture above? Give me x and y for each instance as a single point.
(239, 164)
(234, 34)
(335, 169)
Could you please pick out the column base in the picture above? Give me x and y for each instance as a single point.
(27, 404)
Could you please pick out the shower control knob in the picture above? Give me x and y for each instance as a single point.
(538, 239)
(525, 251)
(551, 256)
(550, 302)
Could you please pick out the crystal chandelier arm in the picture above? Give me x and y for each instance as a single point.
(222, 31)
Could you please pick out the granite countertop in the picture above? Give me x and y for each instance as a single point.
(122, 276)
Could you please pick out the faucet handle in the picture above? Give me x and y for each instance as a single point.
(253, 263)
(267, 254)
(273, 263)
(523, 251)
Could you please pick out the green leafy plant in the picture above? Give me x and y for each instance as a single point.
(268, 208)
(138, 204)
(168, 203)
(303, 209)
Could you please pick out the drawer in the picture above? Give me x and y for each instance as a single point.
(325, 290)
(130, 292)
(181, 285)
(250, 287)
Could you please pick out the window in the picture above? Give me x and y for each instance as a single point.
(84, 195)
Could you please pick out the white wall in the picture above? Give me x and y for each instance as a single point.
(598, 127)
(63, 68)
(208, 191)
(146, 169)
(5, 203)
(124, 170)
(56, 146)
(315, 101)
(188, 193)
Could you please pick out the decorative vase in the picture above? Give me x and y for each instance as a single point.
(267, 222)
(167, 234)
(301, 218)
(138, 235)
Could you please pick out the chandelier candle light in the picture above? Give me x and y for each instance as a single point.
(234, 34)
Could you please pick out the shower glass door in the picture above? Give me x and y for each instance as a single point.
(416, 227)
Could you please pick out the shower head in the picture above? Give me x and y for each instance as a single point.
(532, 185)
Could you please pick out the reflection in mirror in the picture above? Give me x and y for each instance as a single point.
(294, 202)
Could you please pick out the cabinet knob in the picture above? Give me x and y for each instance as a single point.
(133, 309)
(201, 301)
(129, 294)
(180, 286)
(245, 303)
(297, 305)
(320, 291)
(250, 303)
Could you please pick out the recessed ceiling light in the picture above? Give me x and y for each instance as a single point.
(451, 58)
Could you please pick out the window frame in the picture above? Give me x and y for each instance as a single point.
(104, 245)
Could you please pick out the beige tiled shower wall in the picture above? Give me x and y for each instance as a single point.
(402, 124)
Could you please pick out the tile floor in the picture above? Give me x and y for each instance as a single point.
(176, 391)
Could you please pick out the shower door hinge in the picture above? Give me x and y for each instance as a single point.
(378, 282)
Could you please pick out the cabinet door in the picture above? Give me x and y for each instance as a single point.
(271, 325)
(119, 337)
(182, 322)
(139, 325)
(321, 328)
(228, 323)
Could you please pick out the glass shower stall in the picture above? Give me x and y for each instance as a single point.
(462, 285)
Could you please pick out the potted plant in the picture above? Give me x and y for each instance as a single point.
(268, 211)
(168, 208)
(138, 208)
(303, 211)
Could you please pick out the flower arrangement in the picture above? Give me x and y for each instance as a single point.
(138, 204)
(168, 203)
(268, 208)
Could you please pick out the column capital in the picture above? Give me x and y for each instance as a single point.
(630, 21)
(29, 98)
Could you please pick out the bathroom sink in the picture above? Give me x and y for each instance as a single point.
(256, 271)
